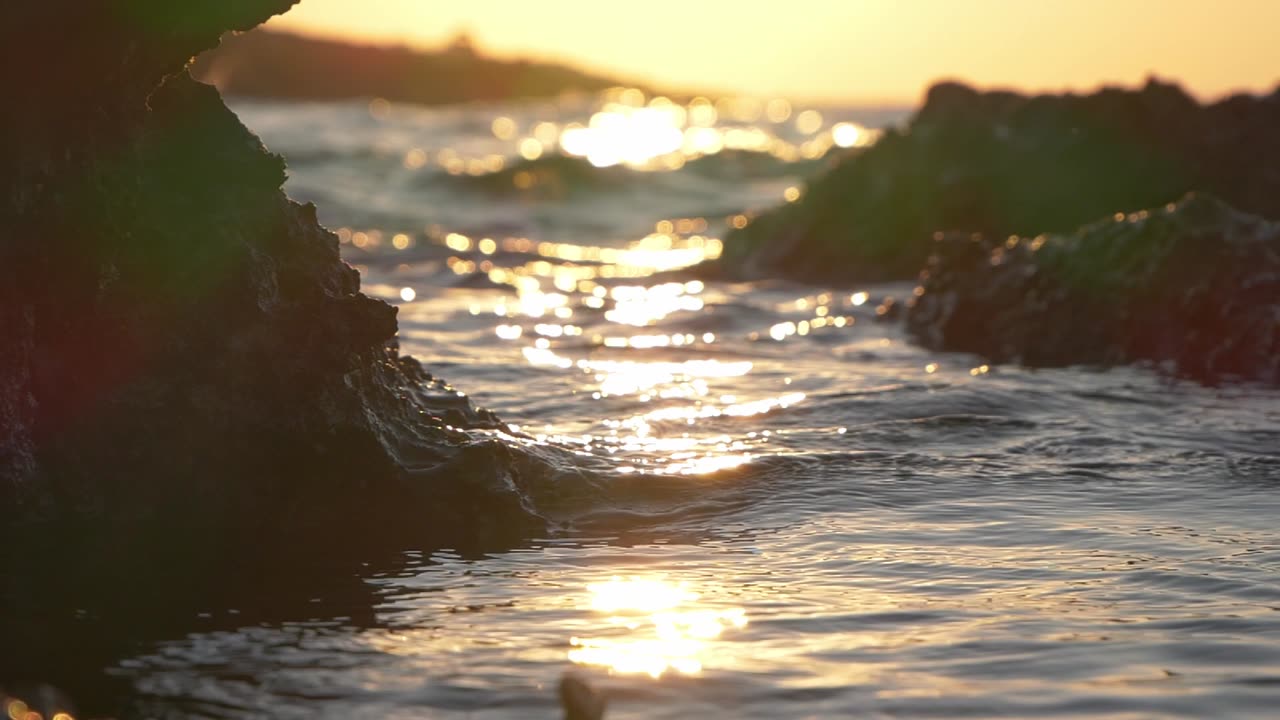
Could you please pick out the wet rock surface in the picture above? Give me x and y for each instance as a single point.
(191, 383)
(1001, 164)
(1193, 287)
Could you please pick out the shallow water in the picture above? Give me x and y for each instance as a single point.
(772, 504)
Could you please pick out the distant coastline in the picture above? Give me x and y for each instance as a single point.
(270, 64)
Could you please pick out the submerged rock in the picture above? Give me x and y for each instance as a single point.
(1000, 164)
(1194, 287)
(579, 700)
(191, 381)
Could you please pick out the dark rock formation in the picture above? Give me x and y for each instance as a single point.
(1192, 287)
(270, 64)
(190, 380)
(1001, 164)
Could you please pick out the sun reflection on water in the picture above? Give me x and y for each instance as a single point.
(656, 626)
(622, 127)
(593, 312)
(667, 401)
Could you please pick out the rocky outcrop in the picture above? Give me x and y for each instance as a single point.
(1001, 164)
(268, 64)
(190, 378)
(1192, 287)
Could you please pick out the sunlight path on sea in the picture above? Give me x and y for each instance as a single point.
(589, 313)
(765, 501)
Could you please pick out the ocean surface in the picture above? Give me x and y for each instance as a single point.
(769, 502)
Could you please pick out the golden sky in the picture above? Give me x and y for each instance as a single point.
(853, 50)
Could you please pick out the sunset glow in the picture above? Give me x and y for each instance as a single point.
(853, 50)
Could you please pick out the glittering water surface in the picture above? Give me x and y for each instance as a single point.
(773, 504)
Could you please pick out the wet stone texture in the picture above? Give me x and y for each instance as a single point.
(190, 378)
(1193, 287)
(1001, 164)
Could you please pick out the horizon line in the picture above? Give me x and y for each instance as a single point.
(628, 79)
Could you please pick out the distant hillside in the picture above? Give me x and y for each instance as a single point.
(262, 63)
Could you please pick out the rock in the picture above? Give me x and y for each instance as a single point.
(1194, 287)
(579, 700)
(191, 382)
(1000, 164)
(196, 401)
(270, 64)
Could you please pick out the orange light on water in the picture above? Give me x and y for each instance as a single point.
(665, 628)
(504, 128)
(638, 595)
(847, 134)
(531, 148)
(809, 122)
(415, 158)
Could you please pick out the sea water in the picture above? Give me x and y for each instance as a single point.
(770, 503)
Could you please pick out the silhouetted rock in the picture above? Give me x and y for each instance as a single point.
(191, 383)
(268, 64)
(579, 700)
(1000, 164)
(1192, 287)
